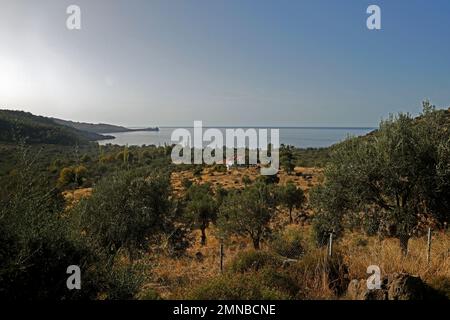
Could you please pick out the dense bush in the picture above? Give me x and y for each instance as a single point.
(149, 294)
(312, 157)
(128, 210)
(280, 280)
(251, 275)
(315, 269)
(72, 176)
(288, 243)
(237, 287)
(324, 224)
(178, 241)
(39, 241)
(254, 260)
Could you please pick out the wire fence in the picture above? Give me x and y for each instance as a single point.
(291, 251)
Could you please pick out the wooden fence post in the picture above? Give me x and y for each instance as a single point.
(429, 246)
(221, 257)
(330, 245)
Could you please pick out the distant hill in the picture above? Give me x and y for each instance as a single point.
(98, 127)
(91, 127)
(19, 125)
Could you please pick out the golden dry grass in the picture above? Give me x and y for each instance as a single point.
(72, 197)
(175, 277)
(386, 254)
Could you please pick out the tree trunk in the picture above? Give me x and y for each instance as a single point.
(203, 238)
(290, 215)
(404, 244)
(256, 244)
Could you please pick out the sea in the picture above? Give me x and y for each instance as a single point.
(301, 137)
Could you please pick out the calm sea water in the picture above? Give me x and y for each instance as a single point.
(299, 137)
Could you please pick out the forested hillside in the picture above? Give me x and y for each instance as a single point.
(99, 127)
(16, 126)
(91, 127)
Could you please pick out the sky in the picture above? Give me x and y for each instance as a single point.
(225, 62)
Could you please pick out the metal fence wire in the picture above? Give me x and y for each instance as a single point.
(293, 249)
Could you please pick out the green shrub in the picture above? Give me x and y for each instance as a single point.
(254, 260)
(314, 269)
(325, 223)
(66, 176)
(85, 158)
(74, 176)
(123, 283)
(39, 242)
(128, 210)
(288, 244)
(280, 280)
(150, 294)
(237, 287)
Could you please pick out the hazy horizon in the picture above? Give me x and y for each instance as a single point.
(227, 63)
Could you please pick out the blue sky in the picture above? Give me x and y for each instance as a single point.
(234, 62)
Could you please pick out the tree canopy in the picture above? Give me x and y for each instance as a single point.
(400, 172)
(248, 212)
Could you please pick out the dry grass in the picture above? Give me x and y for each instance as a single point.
(175, 278)
(361, 251)
(72, 197)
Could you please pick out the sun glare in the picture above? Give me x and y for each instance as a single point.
(12, 78)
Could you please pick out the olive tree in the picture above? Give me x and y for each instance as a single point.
(248, 212)
(395, 170)
(287, 158)
(290, 196)
(201, 208)
(128, 210)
